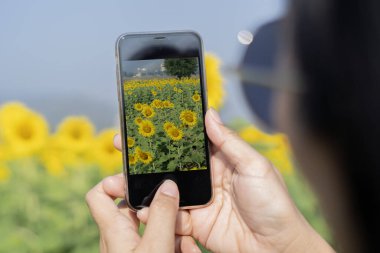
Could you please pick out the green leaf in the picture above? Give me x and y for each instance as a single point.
(172, 165)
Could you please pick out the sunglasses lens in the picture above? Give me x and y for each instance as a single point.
(261, 54)
(260, 101)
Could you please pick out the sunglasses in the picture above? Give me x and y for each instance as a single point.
(260, 75)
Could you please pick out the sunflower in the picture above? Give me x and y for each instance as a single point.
(146, 128)
(138, 106)
(196, 97)
(75, 134)
(107, 156)
(167, 104)
(52, 161)
(154, 93)
(22, 130)
(168, 125)
(157, 103)
(132, 159)
(130, 142)
(138, 120)
(145, 157)
(214, 80)
(188, 117)
(137, 151)
(148, 111)
(274, 147)
(175, 133)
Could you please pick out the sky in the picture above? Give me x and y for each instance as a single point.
(148, 65)
(58, 56)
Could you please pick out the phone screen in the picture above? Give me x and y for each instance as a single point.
(163, 108)
(164, 115)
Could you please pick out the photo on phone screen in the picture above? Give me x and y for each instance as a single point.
(162, 101)
(163, 115)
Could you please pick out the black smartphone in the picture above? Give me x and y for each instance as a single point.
(162, 101)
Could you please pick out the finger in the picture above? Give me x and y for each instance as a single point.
(186, 244)
(242, 156)
(100, 200)
(115, 185)
(117, 141)
(183, 221)
(160, 228)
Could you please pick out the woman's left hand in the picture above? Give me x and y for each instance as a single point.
(118, 225)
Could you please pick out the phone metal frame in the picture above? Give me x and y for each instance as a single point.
(121, 106)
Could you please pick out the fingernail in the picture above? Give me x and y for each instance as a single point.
(169, 188)
(215, 115)
(141, 213)
(115, 137)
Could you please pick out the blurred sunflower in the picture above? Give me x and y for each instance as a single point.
(75, 133)
(132, 159)
(22, 130)
(157, 103)
(138, 120)
(146, 128)
(107, 156)
(175, 133)
(196, 97)
(154, 93)
(5, 173)
(137, 151)
(168, 125)
(253, 135)
(52, 161)
(188, 117)
(274, 147)
(138, 106)
(148, 111)
(12, 110)
(214, 81)
(167, 104)
(145, 157)
(130, 142)
(280, 154)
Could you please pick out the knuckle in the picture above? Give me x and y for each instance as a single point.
(231, 135)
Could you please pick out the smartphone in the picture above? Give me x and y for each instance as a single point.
(162, 101)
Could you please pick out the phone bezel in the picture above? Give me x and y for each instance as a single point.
(122, 114)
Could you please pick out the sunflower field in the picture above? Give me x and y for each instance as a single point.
(164, 119)
(45, 172)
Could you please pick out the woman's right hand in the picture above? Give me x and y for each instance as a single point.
(252, 210)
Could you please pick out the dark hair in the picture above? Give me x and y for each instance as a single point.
(337, 47)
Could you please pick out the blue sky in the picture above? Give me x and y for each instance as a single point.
(58, 56)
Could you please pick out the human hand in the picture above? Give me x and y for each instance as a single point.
(252, 210)
(118, 226)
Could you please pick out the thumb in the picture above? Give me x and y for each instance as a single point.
(159, 234)
(245, 159)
